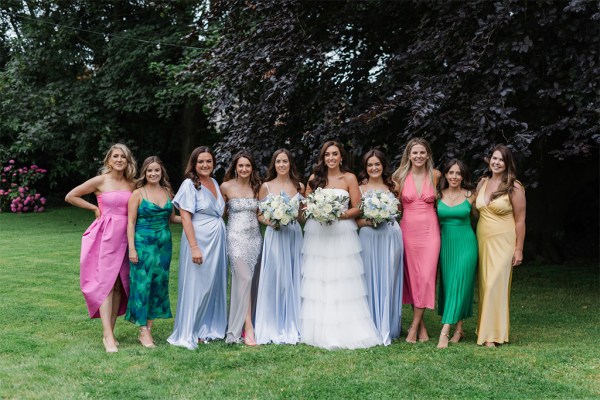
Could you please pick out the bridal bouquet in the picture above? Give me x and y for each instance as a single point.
(379, 206)
(324, 206)
(280, 209)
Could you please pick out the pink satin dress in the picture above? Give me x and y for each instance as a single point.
(104, 256)
(421, 237)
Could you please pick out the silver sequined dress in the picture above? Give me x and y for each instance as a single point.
(244, 243)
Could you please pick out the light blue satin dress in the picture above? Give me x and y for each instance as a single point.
(278, 299)
(201, 299)
(382, 252)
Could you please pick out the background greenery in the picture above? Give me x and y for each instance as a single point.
(166, 76)
(49, 348)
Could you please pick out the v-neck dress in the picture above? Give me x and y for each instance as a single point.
(458, 262)
(421, 236)
(496, 237)
(202, 288)
(149, 277)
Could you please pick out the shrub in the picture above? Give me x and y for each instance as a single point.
(17, 191)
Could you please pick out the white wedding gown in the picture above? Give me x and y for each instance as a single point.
(335, 312)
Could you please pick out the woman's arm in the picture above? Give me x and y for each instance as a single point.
(89, 186)
(354, 191)
(519, 205)
(190, 234)
(132, 212)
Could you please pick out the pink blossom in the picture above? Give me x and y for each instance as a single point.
(13, 208)
(3, 180)
(11, 161)
(1, 192)
(21, 189)
(13, 185)
(35, 208)
(34, 167)
(37, 196)
(43, 200)
(25, 209)
(40, 209)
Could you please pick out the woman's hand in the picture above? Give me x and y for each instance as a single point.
(517, 258)
(133, 256)
(97, 212)
(196, 255)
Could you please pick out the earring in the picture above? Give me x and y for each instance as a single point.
(341, 162)
(235, 173)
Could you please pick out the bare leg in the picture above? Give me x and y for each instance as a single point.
(107, 325)
(444, 336)
(116, 301)
(459, 333)
(423, 335)
(248, 329)
(146, 335)
(411, 335)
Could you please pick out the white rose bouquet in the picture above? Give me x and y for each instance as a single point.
(379, 206)
(324, 206)
(280, 209)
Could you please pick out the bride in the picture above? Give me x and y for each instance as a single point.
(334, 313)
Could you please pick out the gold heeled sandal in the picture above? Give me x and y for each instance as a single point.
(443, 337)
(457, 337)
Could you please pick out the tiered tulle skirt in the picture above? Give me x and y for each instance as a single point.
(335, 312)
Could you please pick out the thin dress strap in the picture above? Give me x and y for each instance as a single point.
(267, 186)
(145, 195)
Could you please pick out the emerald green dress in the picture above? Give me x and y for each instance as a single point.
(149, 287)
(458, 262)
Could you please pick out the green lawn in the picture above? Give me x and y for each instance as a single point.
(49, 348)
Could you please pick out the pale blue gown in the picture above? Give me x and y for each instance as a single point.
(278, 299)
(201, 299)
(382, 257)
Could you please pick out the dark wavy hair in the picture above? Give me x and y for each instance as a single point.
(272, 172)
(464, 172)
(509, 177)
(164, 177)
(190, 169)
(320, 170)
(386, 174)
(254, 178)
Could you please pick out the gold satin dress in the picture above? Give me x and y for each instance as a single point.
(496, 237)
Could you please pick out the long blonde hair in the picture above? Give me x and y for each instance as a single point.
(130, 171)
(399, 176)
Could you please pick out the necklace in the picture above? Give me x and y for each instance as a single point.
(453, 198)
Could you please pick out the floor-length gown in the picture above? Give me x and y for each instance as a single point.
(382, 257)
(278, 300)
(496, 237)
(421, 236)
(335, 311)
(149, 277)
(104, 257)
(244, 243)
(202, 288)
(458, 261)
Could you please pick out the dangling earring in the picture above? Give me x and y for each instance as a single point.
(235, 173)
(341, 162)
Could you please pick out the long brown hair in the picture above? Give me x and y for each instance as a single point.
(272, 172)
(190, 169)
(509, 177)
(320, 170)
(464, 173)
(254, 177)
(401, 173)
(130, 171)
(164, 177)
(386, 174)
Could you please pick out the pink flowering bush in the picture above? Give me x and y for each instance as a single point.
(17, 191)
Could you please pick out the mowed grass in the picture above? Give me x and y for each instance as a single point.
(50, 349)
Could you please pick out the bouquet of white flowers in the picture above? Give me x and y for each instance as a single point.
(279, 209)
(324, 206)
(379, 206)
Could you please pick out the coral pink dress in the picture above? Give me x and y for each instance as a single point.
(421, 237)
(104, 252)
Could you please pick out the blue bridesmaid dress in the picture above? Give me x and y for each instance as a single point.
(202, 288)
(382, 252)
(278, 298)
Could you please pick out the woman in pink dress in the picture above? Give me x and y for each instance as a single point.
(416, 180)
(104, 261)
